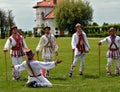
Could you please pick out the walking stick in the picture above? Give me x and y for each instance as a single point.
(99, 58)
(37, 56)
(6, 66)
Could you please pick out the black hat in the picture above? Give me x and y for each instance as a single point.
(29, 53)
(47, 27)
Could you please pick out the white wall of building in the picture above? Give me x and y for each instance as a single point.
(39, 11)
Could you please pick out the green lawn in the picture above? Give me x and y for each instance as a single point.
(89, 82)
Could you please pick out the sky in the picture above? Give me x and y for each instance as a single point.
(107, 11)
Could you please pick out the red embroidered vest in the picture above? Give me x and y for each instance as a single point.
(17, 49)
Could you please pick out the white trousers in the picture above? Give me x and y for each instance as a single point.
(109, 63)
(82, 57)
(41, 81)
(16, 61)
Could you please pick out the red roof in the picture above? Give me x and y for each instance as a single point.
(46, 3)
(50, 15)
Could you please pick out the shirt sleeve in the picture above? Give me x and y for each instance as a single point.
(86, 41)
(104, 40)
(20, 67)
(73, 42)
(24, 44)
(119, 42)
(45, 65)
(7, 44)
(40, 45)
(55, 45)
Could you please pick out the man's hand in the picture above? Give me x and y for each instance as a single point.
(73, 50)
(56, 53)
(37, 52)
(5, 50)
(12, 66)
(99, 43)
(58, 62)
(87, 51)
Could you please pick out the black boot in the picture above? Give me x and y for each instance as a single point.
(70, 73)
(81, 73)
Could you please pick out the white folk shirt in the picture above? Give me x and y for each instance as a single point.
(47, 48)
(36, 67)
(74, 42)
(11, 42)
(112, 54)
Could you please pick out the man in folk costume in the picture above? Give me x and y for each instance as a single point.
(113, 52)
(48, 46)
(17, 44)
(80, 46)
(34, 67)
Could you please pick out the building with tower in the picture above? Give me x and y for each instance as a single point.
(45, 15)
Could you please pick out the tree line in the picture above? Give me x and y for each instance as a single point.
(94, 30)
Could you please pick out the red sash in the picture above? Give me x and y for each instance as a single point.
(81, 46)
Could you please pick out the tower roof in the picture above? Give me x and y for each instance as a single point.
(46, 3)
(50, 15)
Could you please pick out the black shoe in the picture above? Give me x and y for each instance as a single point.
(32, 84)
(117, 74)
(81, 73)
(108, 73)
(70, 74)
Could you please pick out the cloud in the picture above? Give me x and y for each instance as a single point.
(106, 11)
(22, 10)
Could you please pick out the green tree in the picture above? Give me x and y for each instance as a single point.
(94, 24)
(70, 12)
(105, 24)
(2, 23)
(6, 21)
(10, 21)
(29, 33)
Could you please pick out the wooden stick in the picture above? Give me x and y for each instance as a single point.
(99, 59)
(6, 67)
(38, 56)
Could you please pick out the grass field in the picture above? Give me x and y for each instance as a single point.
(89, 82)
